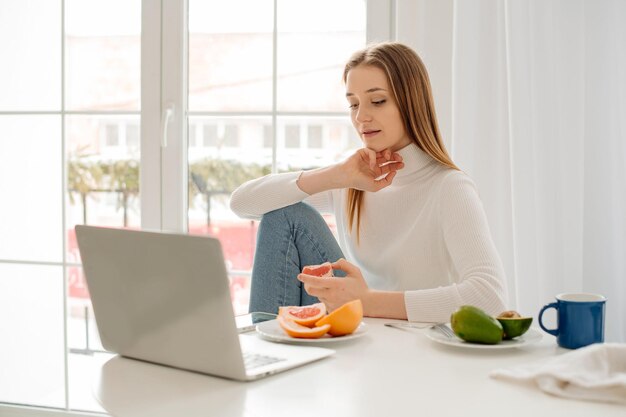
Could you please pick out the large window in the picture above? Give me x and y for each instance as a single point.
(70, 154)
(265, 95)
(80, 120)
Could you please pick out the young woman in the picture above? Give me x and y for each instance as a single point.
(410, 224)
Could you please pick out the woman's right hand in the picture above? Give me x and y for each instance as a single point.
(369, 170)
(365, 170)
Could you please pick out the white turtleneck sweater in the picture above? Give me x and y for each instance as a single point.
(426, 235)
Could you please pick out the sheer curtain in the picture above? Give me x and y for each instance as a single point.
(532, 98)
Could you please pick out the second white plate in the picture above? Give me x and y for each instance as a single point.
(271, 330)
(530, 337)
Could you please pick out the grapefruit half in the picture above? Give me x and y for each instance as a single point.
(345, 319)
(322, 270)
(293, 329)
(303, 315)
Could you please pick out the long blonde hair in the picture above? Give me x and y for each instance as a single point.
(410, 85)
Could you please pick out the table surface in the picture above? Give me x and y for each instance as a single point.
(387, 372)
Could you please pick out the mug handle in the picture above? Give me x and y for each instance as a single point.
(553, 332)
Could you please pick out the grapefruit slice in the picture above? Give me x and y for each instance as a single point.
(345, 319)
(293, 329)
(303, 315)
(322, 270)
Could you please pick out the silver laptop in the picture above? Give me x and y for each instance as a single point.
(165, 298)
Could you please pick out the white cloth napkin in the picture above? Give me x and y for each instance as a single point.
(595, 373)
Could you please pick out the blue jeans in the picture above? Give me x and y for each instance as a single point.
(288, 240)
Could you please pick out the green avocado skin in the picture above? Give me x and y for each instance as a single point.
(514, 327)
(474, 325)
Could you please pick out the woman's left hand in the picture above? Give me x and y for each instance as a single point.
(334, 292)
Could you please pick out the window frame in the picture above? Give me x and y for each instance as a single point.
(164, 167)
(169, 87)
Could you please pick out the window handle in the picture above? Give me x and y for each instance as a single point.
(168, 113)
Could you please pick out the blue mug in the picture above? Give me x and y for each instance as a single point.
(580, 319)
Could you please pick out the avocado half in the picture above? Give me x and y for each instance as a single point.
(514, 326)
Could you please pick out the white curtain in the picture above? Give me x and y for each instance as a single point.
(532, 99)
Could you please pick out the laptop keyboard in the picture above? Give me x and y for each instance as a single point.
(254, 360)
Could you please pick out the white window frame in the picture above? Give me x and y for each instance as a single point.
(163, 139)
(164, 52)
(164, 169)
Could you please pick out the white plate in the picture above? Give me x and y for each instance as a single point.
(528, 338)
(271, 330)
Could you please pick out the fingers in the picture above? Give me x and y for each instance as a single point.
(380, 158)
(386, 155)
(382, 182)
(390, 166)
(386, 181)
(334, 292)
(320, 293)
(320, 282)
(346, 266)
(317, 286)
(371, 155)
(372, 170)
(386, 160)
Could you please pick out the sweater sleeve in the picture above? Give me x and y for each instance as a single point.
(254, 198)
(467, 238)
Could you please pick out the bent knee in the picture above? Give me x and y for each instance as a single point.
(294, 211)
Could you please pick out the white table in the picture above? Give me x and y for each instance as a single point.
(386, 373)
